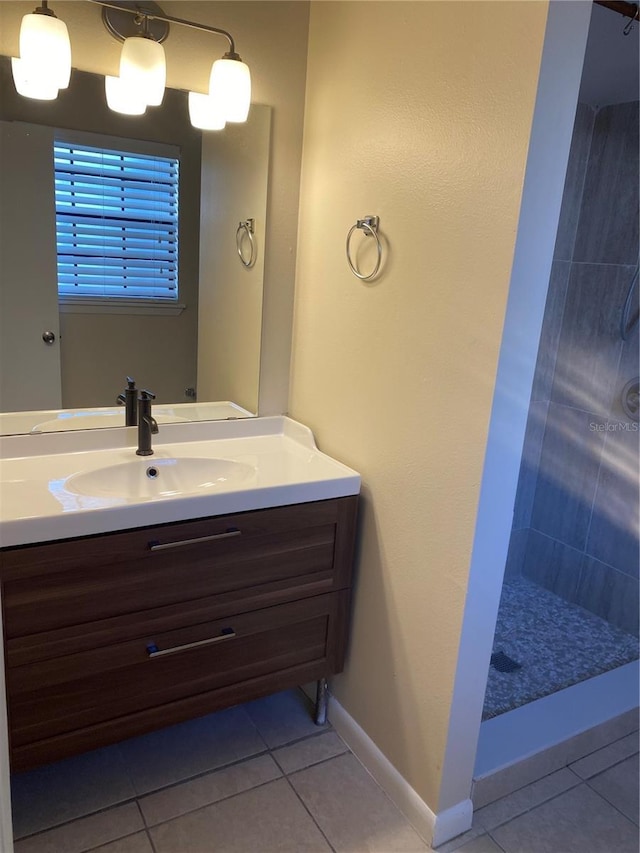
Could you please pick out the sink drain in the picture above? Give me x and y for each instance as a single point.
(152, 472)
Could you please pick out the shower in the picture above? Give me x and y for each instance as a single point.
(569, 607)
(625, 316)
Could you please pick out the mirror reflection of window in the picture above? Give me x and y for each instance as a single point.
(187, 359)
(116, 224)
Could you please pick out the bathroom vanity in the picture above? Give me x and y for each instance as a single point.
(132, 608)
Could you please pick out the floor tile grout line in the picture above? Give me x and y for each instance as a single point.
(497, 843)
(605, 769)
(542, 802)
(609, 743)
(555, 770)
(526, 785)
(255, 726)
(77, 818)
(607, 800)
(141, 795)
(282, 775)
(267, 751)
(120, 838)
(308, 810)
(288, 773)
(151, 842)
(136, 796)
(582, 783)
(593, 776)
(214, 802)
(325, 729)
(573, 772)
(127, 768)
(144, 823)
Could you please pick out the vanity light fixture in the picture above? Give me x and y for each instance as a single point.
(206, 112)
(121, 99)
(142, 26)
(229, 96)
(44, 65)
(143, 69)
(230, 81)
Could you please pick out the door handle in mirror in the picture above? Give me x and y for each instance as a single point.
(48, 337)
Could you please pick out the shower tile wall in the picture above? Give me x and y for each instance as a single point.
(575, 528)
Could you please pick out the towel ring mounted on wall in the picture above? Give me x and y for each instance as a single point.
(370, 227)
(247, 229)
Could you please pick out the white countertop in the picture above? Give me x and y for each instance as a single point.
(103, 417)
(285, 467)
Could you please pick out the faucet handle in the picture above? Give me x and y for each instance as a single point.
(131, 383)
(147, 395)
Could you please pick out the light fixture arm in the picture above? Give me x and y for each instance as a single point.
(44, 9)
(170, 19)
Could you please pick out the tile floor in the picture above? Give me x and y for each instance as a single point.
(262, 777)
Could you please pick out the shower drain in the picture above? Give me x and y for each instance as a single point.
(503, 663)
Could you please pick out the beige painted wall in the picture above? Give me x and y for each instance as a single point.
(234, 188)
(419, 112)
(272, 38)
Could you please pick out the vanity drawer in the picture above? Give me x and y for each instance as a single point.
(57, 585)
(52, 698)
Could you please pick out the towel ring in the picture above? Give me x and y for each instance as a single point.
(246, 228)
(370, 227)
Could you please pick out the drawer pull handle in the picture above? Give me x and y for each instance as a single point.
(157, 546)
(154, 652)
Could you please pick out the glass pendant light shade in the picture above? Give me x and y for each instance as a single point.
(45, 48)
(122, 99)
(206, 112)
(231, 82)
(29, 85)
(143, 68)
(44, 64)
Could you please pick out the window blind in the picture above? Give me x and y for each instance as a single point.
(116, 223)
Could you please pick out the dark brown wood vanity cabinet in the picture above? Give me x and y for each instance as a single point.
(114, 635)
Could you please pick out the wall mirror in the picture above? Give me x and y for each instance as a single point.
(202, 357)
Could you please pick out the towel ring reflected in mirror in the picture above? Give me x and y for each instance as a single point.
(246, 230)
(370, 227)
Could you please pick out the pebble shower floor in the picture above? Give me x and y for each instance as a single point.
(556, 643)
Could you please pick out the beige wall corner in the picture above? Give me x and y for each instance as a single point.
(419, 113)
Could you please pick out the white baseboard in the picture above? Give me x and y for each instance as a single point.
(435, 829)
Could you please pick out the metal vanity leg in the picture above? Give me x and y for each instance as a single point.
(322, 699)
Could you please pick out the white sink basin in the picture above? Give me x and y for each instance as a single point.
(150, 478)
